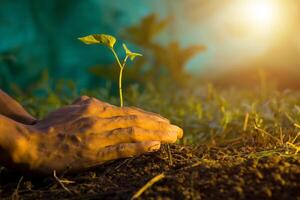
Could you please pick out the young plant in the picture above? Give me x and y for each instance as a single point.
(110, 41)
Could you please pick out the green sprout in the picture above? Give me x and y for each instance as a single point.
(110, 41)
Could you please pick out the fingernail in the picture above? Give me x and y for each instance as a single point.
(154, 147)
(178, 130)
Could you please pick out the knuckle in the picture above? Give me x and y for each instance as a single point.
(75, 139)
(121, 148)
(84, 97)
(87, 108)
(115, 119)
(90, 108)
(88, 101)
(131, 131)
(87, 122)
(124, 118)
(132, 117)
(93, 100)
(81, 99)
(116, 133)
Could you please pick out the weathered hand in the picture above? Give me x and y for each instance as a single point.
(87, 133)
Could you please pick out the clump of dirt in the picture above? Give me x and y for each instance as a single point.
(189, 173)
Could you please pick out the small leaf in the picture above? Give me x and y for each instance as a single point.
(130, 54)
(107, 40)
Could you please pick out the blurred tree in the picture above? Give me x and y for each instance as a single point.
(160, 61)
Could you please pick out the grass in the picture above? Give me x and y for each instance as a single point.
(238, 143)
(262, 117)
(215, 116)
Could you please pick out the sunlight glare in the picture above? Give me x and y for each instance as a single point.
(259, 18)
(261, 12)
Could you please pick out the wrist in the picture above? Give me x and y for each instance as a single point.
(16, 149)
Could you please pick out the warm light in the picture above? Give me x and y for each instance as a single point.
(259, 17)
(260, 13)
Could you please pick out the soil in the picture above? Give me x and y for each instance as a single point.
(200, 172)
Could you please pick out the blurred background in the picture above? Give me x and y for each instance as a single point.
(230, 42)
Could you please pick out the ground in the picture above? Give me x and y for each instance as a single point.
(238, 144)
(199, 172)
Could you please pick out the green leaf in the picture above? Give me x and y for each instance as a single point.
(107, 40)
(130, 54)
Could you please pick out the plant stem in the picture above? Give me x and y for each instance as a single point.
(120, 87)
(120, 75)
(124, 61)
(120, 81)
(116, 56)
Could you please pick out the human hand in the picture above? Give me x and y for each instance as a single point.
(88, 133)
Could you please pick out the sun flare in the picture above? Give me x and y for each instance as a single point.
(261, 12)
(259, 17)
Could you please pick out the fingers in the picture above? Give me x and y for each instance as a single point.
(128, 135)
(138, 111)
(86, 100)
(126, 150)
(126, 111)
(93, 106)
(80, 99)
(107, 117)
(95, 124)
(136, 134)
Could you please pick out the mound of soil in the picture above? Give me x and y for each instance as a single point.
(189, 173)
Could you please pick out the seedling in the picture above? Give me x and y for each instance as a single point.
(110, 41)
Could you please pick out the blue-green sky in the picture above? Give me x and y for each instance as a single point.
(38, 35)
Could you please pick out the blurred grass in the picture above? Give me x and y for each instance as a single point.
(260, 116)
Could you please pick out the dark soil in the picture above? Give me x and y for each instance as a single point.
(192, 173)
